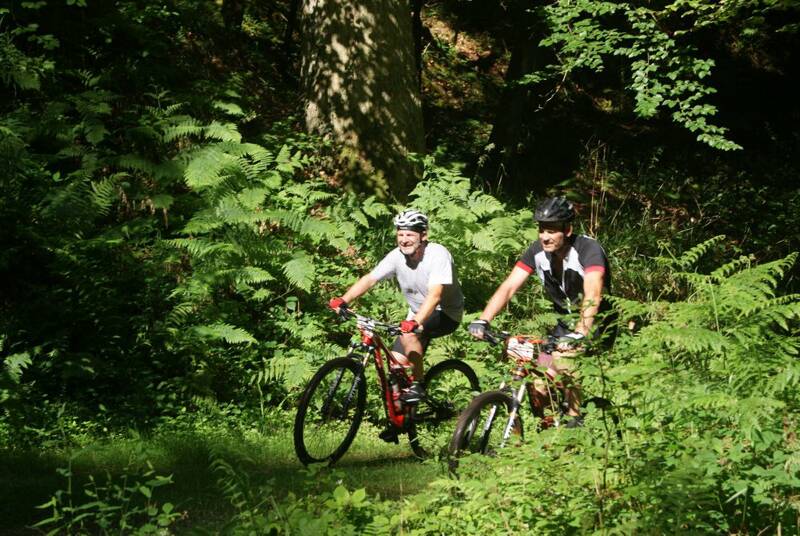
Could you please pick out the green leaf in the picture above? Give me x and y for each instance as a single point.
(300, 271)
(225, 332)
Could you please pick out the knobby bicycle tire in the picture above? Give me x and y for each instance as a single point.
(330, 411)
(480, 428)
(450, 386)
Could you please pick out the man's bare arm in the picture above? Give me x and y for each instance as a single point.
(359, 288)
(592, 295)
(429, 305)
(504, 292)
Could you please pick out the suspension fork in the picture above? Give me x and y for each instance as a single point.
(326, 408)
(487, 425)
(516, 403)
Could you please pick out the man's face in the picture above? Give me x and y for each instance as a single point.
(553, 236)
(409, 241)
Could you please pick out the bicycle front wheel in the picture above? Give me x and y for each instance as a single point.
(330, 411)
(450, 386)
(481, 428)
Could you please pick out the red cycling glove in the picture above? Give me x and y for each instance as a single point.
(407, 326)
(335, 303)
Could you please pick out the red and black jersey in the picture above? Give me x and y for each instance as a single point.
(564, 284)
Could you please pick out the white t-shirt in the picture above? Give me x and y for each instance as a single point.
(435, 268)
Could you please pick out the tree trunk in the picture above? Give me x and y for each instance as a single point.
(509, 123)
(233, 15)
(503, 165)
(360, 84)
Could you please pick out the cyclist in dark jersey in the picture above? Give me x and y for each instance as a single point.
(575, 273)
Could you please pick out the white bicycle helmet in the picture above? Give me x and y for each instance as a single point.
(412, 220)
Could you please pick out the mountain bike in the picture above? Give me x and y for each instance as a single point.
(333, 403)
(494, 417)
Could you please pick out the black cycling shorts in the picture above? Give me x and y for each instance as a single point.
(437, 325)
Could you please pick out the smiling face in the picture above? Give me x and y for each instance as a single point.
(410, 242)
(553, 236)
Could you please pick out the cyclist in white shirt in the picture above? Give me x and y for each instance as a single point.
(427, 278)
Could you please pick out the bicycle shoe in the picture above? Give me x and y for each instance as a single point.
(389, 435)
(414, 393)
(574, 422)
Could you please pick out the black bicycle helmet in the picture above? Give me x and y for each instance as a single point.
(554, 209)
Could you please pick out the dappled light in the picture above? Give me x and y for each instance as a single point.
(190, 189)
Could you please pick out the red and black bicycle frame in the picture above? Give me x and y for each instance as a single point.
(372, 344)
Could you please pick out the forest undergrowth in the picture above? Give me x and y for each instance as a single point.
(171, 239)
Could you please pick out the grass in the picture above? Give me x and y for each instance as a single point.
(30, 478)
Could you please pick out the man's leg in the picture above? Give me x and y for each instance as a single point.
(413, 350)
(559, 368)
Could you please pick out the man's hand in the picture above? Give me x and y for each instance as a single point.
(337, 304)
(569, 341)
(477, 328)
(408, 326)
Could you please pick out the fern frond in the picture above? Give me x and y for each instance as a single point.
(777, 311)
(207, 166)
(199, 248)
(202, 222)
(181, 313)
(14, 365)
(104, 195)
(222, 132)
(74, 200)
(169, 169)
(182, 127)
(288, 218)
(252, 198)
(252, 274)
(481, 204)
(288, 367)
(734, 266)
(359, 217)
(226, 332)
(300, 271)
(318, 230)
(373, 208)
(695, 340)
(692, 255)
(230, 212)
(230, 108)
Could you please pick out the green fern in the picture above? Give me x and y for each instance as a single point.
(208, 166)
(200, 248)
(104, 194)
(226, 332)
(300, 271)
(181, 127)
(692, 256)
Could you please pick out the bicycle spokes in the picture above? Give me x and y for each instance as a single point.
(330, 412)
(486, 425)
(450, 385)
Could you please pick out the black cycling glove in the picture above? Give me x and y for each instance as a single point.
(477, 328)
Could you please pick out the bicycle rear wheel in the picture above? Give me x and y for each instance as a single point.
(450, 386)
(330, 411)
(481, 427)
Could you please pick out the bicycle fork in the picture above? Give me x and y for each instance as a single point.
(512, 415)
(327, 407)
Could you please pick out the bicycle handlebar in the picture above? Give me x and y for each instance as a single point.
(499, 337)
(495, 337)
(366, 322)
